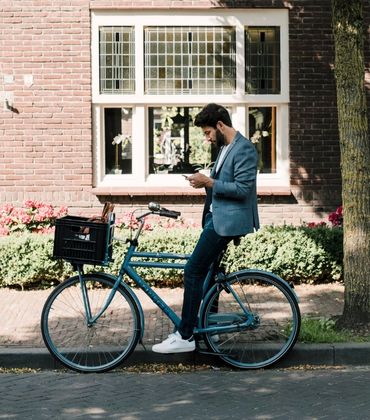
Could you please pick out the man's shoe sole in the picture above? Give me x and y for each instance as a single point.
(174, 351)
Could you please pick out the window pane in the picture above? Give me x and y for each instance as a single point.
(187, 51)
(117, 59)
(262, 132)
(175, 145)
(118, 140)
(262, 56)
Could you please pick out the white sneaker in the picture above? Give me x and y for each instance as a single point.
(174, 344)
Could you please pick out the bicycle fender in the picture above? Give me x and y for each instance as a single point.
(252, 271)
(130, 292)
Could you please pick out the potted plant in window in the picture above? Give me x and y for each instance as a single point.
(205, 168)
(126, 141)
(255, 139)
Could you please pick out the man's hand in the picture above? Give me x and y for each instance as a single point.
(199, 180)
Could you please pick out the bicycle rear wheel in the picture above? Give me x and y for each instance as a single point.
(274, 313)
(101, 346)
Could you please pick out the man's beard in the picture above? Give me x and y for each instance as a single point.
(220, 139)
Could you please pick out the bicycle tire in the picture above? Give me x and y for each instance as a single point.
(276, 315)
(97, 348)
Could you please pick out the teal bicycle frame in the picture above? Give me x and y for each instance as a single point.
(241, 321)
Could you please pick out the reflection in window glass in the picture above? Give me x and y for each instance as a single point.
(175, 145)
(118, 140)
(262, 132)
(262, 57)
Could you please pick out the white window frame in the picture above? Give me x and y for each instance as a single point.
(140, 102)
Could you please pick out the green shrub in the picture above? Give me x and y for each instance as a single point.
(298, 254)
(26, 259)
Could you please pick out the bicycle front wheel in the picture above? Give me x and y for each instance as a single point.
(263, 314)
(90, 348)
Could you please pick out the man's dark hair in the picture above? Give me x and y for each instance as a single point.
(211, 114)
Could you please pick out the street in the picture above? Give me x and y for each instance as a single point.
(324, 393)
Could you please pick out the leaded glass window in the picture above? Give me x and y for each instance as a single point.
(190, 60)
(117, 59)
(262, 58)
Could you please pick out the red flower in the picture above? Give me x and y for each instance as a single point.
(336, 217)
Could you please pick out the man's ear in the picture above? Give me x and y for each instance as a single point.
(220, 126)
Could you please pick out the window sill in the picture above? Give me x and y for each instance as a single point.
(176, 191)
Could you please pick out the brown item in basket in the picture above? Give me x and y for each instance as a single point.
(107, 210)
(104, 218)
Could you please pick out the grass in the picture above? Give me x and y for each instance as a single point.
(323, 330)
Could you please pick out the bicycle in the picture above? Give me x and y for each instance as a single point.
(92, 322)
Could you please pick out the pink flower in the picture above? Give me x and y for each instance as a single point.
(63, 211)
(8, 220)
(4, 231)
(48, 210)
(6, 209)
(25, 219)
(29, 204)
(35, 216)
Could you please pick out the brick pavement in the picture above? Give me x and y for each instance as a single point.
(20, 312)
(21, 343)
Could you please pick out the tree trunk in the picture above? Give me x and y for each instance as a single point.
(355, 158)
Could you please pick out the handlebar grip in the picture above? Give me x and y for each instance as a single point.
(169, 213)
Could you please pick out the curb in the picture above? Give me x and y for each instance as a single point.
(338, 354)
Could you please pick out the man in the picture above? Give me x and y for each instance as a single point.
(230, 211)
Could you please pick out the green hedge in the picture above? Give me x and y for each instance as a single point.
(298, 254)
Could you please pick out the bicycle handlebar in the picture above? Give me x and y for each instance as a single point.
(161, 211)
(169, 213)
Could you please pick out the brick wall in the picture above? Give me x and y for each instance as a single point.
(45, 147)
(314, 147)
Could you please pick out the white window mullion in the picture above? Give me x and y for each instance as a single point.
(139, 60)
(239, 119)
(139, 144)
(240, 63)
(284, 59)
(139, 130)
(98, 149)
(282, 152)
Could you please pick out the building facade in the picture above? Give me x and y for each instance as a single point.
(98, 99)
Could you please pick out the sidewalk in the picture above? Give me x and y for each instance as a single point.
(21, 344)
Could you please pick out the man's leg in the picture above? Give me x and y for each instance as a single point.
(209, 246)
(205, 252)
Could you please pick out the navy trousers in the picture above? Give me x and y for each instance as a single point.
(207, 249)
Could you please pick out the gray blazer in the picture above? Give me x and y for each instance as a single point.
(234, 196)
